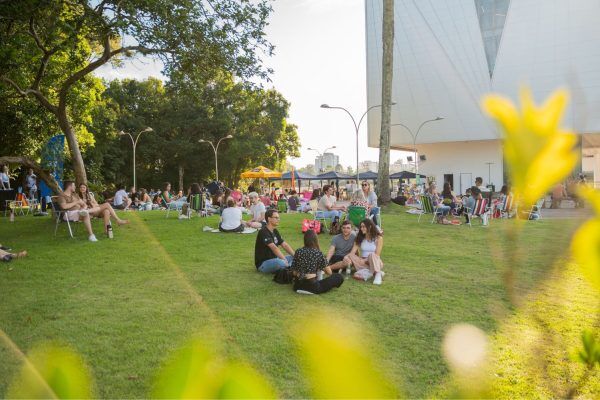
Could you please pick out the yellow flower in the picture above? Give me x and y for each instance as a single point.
(586, 241)
(538, 152)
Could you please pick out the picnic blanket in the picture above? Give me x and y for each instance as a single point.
(213, 230)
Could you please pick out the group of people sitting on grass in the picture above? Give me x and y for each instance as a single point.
(361, 251)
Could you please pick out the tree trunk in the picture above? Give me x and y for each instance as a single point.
(181, 170)
(41, 173)
(77, 159)
(383, 180)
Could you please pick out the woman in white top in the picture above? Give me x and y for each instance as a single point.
(4, 178)
(231, 218)
(369, 244)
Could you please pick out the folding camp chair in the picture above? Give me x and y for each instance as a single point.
(59, 214)
(506, 210)
(536, 209)
(171, 206)
(480, 210)
(318, 215)
(427, 207)
(356, 214)
(282, 206)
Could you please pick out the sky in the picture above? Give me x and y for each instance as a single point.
(319, 58)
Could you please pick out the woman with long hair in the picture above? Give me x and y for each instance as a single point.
(104, 210)
(366, 253)
(145, 200)
(307, 265)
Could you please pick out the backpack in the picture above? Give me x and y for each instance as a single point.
(311, 224)
(284, 276)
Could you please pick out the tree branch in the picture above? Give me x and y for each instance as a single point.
(46, 176)
(36, 93)
(32, 32)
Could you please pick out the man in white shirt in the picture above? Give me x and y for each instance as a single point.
(479, 184)
(121, 201)
(258, 210)
(327, 207)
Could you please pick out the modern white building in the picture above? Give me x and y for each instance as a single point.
(368, 165)
(326, 161)
(449, 53)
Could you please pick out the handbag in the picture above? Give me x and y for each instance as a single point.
(312, 225)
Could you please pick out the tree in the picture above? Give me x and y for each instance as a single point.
(383, 180)
(49, 48)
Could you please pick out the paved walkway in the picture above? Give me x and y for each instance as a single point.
(567, 213)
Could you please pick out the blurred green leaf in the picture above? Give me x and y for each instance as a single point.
(590, 355)
(52, 371)
(336, 360)
(197, 372)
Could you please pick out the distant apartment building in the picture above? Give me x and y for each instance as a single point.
(326, 162)
(368, 165)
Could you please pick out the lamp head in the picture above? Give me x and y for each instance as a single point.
(325, 106)
(228, 137)
(334, 147)
(267, 145)
(201, 141)
(393, 103)
(122, 133)
(439, 118)
(310, 148)
(148, 129)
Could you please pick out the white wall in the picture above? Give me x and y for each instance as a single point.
(463, 157)
(592, 164)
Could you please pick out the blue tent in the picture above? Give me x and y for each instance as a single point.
(406, 175)
(287, 176)
(335, 176)
(368, 176)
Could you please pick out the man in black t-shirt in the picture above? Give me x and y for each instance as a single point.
(268, 258)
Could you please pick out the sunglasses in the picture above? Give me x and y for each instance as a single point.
(365, 184)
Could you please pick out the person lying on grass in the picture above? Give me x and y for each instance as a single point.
(341, 245)
(268, 258)
(369, 244)
(75, 208)
(231, 218)
(308, 262)
(6, 255)
(104, 210)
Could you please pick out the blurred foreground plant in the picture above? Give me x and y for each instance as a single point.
(336, 359)
(197, 372)
(52, 371)
(586, 241)
(539, 153)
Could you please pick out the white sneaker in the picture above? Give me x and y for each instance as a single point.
(183, 216)
(92, 238)
(207, 228)
(303, 292)
(378, 278)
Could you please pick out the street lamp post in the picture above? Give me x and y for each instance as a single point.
(134, 143)
(321, 153)
(414, 138)
(356, 126)
(216, 149)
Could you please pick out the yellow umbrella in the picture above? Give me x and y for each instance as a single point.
(261, 172)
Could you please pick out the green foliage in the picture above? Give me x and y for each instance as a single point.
(197, 372)
(52, 371)
(590, 354)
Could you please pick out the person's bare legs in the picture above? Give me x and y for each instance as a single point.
(102, 208)
(86, 219)
(254, 224)
(106, 218)
(13, 255)
(338, 265)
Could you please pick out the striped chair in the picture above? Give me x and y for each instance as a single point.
(427, 207)
(480, 210)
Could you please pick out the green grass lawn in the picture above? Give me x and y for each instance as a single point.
(126, 304)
